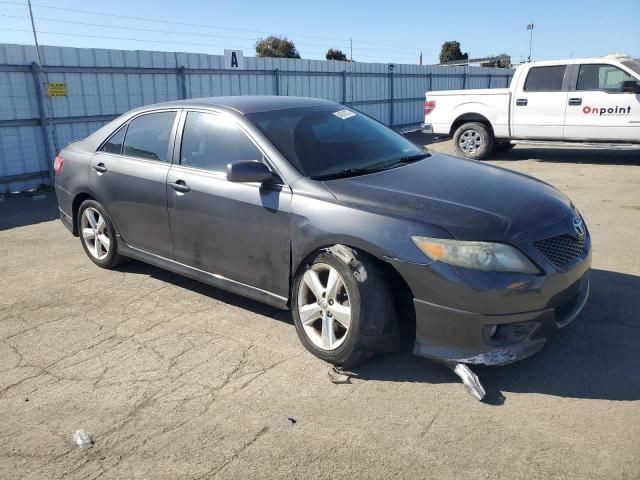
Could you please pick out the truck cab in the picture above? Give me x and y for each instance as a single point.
(591, 103)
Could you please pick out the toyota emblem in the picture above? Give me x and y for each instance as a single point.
(578, 226)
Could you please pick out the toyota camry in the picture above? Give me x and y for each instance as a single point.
(312, 206)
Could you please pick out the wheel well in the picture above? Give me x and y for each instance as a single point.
(401, 293)
(75, 206)
(470, 117)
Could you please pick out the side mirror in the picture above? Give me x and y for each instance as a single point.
(248, 171)
(630, 86)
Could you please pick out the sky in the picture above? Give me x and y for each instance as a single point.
(393, 32)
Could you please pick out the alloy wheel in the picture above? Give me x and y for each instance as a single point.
(95, 233)
(324, 307)
(470, 141)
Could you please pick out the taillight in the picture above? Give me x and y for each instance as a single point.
(57, 164)
(429, 106)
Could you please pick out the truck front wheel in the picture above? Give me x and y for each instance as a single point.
(473, 140)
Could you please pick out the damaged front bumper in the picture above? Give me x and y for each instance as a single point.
(457, 334)
(515, 336)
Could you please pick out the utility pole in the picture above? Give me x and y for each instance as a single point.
(35, 36)
(530, 28)
(351, 49)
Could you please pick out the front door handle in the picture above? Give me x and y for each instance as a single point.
(180, 186)
(575, 101)
(100, 168)
(521, 102)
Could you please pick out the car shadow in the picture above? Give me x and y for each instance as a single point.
(27, 209)
(595, 357)
(217, 294)
(566, 155)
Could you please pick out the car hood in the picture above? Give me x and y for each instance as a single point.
(469, 199)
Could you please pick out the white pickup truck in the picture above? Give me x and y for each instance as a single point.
(591, 103)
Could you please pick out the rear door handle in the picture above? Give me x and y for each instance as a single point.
(180, 186)
(575, 101)
(100, 168)
(521, 102)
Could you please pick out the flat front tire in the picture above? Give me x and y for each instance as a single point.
(98, 235)
(473, 140)
(343, 313)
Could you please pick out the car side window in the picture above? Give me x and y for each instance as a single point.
(211, 141)
(148, 136)
(607, 78)
(545, 79)
(114, 144)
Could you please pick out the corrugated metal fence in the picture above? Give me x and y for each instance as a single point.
(102, 84)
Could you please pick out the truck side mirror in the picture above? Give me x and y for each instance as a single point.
(630, 86)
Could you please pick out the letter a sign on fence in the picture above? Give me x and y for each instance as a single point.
(233, 59)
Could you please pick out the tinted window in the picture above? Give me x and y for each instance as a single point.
(545, 79)
(148, 136)
(211, 141)
(601, 77)
(114, 144)
(323, 141)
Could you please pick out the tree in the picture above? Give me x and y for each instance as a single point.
(336, 55)
(279, 47)
(450, 52)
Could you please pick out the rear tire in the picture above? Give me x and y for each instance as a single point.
(98, 235)
(372, 327)
(473, 140)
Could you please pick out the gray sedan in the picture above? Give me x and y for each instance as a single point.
(310, 205)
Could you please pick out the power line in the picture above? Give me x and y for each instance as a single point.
(216, 27)
(81, 35)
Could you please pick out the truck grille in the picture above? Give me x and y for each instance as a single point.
(560, 250)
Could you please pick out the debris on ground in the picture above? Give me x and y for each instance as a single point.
(338, 375)
(39, 197)
(470, 381)
(83, 439)
(292, 420)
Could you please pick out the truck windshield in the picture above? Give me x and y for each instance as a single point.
(332, 141)
(633, 65)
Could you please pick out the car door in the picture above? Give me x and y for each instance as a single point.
(240, 231)
(538, 109)
(129, 173)
(599, 109)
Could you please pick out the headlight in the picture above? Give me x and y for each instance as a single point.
(494, 257)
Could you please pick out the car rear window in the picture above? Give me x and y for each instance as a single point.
(545, 79)
(114, 144)
(148, 136)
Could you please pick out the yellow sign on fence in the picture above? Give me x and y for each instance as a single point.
(57, 89)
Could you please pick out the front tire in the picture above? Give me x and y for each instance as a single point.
(344, 313)
(473, 140)
(98, 235)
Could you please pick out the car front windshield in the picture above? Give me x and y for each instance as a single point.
(333, 141)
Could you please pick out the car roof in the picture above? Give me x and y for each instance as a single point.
(572, 61)
(244, 104)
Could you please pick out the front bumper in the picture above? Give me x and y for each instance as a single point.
(491, 318)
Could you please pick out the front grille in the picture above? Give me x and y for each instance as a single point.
(560, 250)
